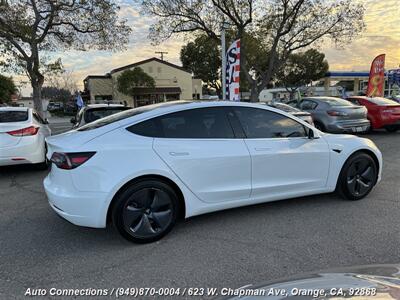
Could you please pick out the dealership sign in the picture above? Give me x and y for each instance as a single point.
(376, 82)
(233, 72)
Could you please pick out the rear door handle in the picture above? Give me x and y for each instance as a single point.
(178, 153)
(263, 149)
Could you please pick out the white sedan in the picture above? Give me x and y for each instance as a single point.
(22, 136)
(144, 168)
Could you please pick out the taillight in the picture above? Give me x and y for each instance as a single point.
(32, 130)
(335, 113)
(69, 161)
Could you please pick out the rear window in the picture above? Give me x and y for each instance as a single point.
(382, 101)
(13, 116)
(337, 102)
(126, 114)
(94, 114)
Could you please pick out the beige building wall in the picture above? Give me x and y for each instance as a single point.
(163, 74)
(99, 87)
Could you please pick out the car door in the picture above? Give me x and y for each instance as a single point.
(284, 160)
(200, 147)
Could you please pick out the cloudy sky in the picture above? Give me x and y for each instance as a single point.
(382, 35)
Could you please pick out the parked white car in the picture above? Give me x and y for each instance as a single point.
(146, 167)
(22, 136)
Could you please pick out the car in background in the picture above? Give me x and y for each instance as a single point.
(335, 115)
(146, 167)
(22, 137)
(305, 116)
(55, 106)
(93, 112)
(382, 112)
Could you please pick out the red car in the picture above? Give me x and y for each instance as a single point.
(382, 112)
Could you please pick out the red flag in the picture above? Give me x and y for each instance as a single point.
(376, 82)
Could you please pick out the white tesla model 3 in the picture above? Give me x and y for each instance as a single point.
(146, 167)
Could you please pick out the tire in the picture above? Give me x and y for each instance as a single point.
(146, 211)
(319, 126)
(357, 177)
(392, 128)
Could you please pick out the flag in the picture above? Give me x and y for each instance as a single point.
(376, 82)
(233, 72)
(79, 101)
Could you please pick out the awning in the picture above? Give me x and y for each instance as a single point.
(157, 91)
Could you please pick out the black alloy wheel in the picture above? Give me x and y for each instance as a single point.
(146, 211)
(357, 177)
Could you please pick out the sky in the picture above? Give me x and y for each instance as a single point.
(382, 35)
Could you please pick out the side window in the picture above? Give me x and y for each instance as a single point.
(260, 123)
(200, 123)
(308, 105)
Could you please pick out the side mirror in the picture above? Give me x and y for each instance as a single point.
(46, 121)
(311, 134)
(73, 120)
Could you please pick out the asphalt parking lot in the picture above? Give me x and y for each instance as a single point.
(225, 249)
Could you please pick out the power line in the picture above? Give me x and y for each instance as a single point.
(161, 54)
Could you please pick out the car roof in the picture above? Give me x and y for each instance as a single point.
(14, 108)
(322, 98)
(103, 105)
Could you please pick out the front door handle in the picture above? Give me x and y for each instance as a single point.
(263, 148)
(178, 153)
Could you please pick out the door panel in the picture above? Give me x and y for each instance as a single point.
(215, 170)
(284, 159)
(288, 165)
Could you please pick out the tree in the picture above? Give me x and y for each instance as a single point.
(7, 89)
(202, 57)
(56, 94)
(302, 69)
(130, 80)
(282, 26)
(31, 29)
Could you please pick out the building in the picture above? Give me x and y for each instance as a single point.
(172, 82)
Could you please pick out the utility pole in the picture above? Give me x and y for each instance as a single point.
(223, 59)
(161, 54)
(224, 26)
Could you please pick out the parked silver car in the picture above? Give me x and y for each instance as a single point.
(335, 115)
(305, 116)
(93, 112)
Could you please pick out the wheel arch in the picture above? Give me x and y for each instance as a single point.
(182, 209)
(365, 151)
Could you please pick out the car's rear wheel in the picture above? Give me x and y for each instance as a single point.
(145, 211)
(358, 177)
(392, 128)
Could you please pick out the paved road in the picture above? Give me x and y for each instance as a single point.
(224, 249)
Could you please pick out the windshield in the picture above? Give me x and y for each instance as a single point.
(382, 101)
(126, 114)
(13, 116)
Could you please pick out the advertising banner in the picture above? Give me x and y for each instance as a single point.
(233, 72)
(376, 82)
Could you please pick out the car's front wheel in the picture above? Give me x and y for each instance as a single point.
(358, 177)
(145, 211)
(392, 128)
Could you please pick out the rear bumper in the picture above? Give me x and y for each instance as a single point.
(350, 126)
(27, 151)
(80, 208)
